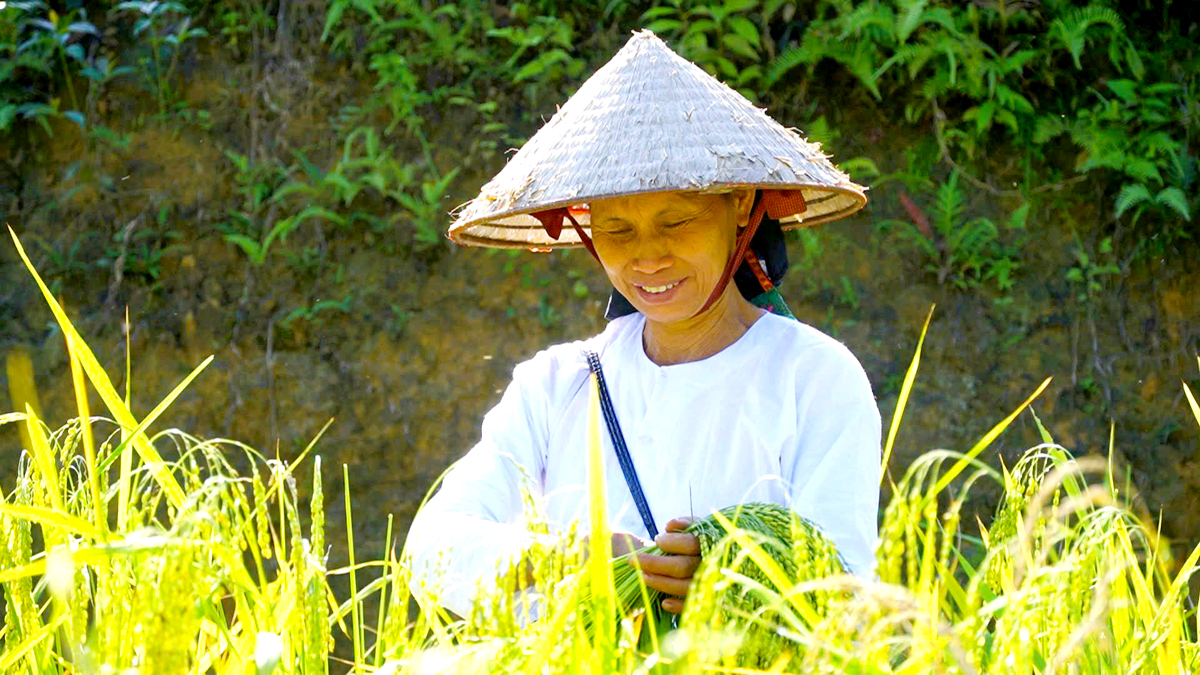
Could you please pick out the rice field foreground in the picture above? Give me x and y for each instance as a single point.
(118, 560)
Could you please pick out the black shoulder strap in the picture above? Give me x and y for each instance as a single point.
(618, 440)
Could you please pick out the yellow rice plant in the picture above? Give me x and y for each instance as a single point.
(127, 550)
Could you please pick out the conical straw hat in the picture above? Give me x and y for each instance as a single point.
(649, 121)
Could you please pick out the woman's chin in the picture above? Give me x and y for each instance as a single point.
(672, 305)
(668, 313)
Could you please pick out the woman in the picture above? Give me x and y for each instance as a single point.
(677, 185)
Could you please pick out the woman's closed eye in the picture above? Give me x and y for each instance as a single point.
(615, 232)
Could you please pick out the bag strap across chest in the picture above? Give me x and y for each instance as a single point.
(618, 441)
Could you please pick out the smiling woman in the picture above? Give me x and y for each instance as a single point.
(667, 252)
(713, 394)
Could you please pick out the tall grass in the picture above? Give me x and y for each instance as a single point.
(131, 551)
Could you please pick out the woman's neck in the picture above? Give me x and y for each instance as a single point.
(701, 336)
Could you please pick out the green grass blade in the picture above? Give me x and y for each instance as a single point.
(984, 442)
(1192, 402)
(156, 413)
(53, 517)
(104, 386)
(43, 457)
(356, 617)
(599, 566)
(32, 569)
(26, 647)
(902, 402)
(387, 550)
(99, 506)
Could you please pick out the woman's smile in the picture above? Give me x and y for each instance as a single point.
(660, 293)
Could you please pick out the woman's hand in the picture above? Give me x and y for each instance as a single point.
(623, 543)
(672, 573)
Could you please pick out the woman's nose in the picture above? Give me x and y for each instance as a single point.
(651, 262)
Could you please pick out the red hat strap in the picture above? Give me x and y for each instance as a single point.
(552, 223)
(774, 203)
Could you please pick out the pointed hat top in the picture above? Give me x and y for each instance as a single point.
(649, 121)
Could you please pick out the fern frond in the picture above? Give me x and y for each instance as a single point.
(1013, 101)
(861, 63)
(913, 56)
(969, 240)
(942, 17)
(1072, 29)
(1015, 62)
(1131, 195)
(866, 16)
(1143, 170)
(1174, 198)
(911, 17)
(948, 206)
(1049, 127)
(1160, 143)
(936, 86)
(791, 58)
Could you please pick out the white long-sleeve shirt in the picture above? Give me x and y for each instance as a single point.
(785, 414)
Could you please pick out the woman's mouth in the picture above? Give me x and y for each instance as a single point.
(659, 289)
(658, 293)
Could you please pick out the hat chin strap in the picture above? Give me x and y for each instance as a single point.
(552, 223)
(774, 203)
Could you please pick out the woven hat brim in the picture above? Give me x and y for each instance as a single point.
(517, 229)
(649, 121)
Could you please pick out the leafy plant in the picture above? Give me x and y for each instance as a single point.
(250, 227)
(547, 314)
(407, 45)
(65, 262)
(398, 321)
(723, 38)
(965, 253)
(552, 41)
(427, 210)
(35, 42)
(244, 23)
(364, 164)
(1129, 133)
(315, 312)
(100, 72)
(142, 254)
(61, 31)
(1088, 273)
(981, 74)
(167, 26)
(860, 168)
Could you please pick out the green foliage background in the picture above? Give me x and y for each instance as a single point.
(1036, 97)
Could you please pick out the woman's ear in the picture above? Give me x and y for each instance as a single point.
(743, 203)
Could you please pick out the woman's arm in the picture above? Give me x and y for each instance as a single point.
(474, 526)
(834, 473)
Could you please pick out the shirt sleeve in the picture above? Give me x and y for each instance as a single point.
(834, 475)
(474, 525)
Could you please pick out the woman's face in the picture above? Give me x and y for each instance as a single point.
(666, 251)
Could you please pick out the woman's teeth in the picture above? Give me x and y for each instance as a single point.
(660, 289)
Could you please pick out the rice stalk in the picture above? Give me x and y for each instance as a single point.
(1065, 577)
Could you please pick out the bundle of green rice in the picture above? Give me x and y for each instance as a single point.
(751, 554)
